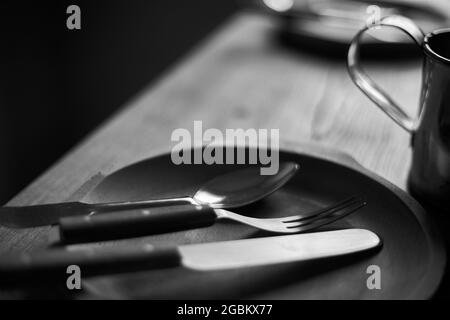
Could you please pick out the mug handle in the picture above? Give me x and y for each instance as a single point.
(368, 86)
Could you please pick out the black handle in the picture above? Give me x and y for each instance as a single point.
(51, 265)
(134, 223)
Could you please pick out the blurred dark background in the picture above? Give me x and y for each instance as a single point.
(57, 85)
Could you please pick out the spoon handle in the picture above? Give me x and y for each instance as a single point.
(140, 204)
(134, 223)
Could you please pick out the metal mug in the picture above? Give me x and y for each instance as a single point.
(429, 176)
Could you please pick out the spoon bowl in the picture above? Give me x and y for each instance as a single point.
(243, 187)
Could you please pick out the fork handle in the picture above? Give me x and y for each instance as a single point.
(134, 223)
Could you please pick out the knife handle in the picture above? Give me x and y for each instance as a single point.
(52, 265)
(134, 223)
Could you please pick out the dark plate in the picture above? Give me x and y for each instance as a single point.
(411, 260)
(320, 34)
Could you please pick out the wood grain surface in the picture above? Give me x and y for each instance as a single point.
(240, 77)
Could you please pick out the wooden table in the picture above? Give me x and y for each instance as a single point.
(238, 77)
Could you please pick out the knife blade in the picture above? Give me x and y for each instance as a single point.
(41, 215)
(278, 249)
(45, 265)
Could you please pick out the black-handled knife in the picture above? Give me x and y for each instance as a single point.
(52, 264)
(49, 214)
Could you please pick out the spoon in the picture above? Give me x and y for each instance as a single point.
(234, 189)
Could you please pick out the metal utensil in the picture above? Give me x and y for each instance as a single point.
(233, 189)
(122, 224)
(45, 265)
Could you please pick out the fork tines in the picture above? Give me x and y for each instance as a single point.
(326, 215)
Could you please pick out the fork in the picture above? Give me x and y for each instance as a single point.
(124, 224)
(298, 223)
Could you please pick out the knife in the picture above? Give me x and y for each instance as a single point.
(53, 263)
(50, 214)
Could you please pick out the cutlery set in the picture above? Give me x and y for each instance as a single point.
(82, 232)
(82, 223)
